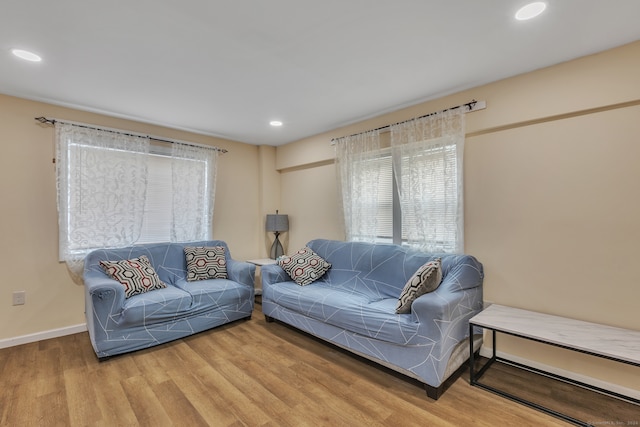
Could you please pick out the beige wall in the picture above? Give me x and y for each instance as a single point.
(28, 217)
(552, 169)
(269, 196)
(309, 197)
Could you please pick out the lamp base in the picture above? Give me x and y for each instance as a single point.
(276, 249)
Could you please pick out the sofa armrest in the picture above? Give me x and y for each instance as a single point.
(273, 273)
(105, 295)
(446, 314)
(461, 272)
(241, 272)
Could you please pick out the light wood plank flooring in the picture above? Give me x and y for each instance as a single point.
(249, 373)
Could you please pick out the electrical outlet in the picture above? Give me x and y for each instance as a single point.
(19, 297)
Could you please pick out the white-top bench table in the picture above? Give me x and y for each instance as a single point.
(621, 345)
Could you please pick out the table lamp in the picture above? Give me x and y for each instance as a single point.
(277, 223)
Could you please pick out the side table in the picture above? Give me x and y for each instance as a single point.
(617, 344)
(260, 262)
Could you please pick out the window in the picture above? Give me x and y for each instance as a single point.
(410, 193)
(431, 197)
(164, 189)
(377, 179)
(395, 221)
(116, 190)
(156, 222)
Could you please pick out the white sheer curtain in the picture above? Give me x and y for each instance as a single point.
(101, 181)
(358, 173)
(194, 184)
(105, 199)
(428, 164)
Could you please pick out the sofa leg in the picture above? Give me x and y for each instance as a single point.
(269, 319)
(434, 392)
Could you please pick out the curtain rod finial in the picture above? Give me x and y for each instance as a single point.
(45, 121)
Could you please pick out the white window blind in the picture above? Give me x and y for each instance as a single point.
(385, 200)
(434, 174)
(376, 180)
(156, 224)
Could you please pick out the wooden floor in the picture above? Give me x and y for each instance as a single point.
(249, 373)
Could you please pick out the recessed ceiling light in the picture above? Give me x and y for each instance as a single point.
(26, 55)
(531, 10)
(275, 123)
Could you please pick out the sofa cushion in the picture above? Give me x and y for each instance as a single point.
(304, 267)
(426, 279)
(354, 312)
(136, 275)
(150, 308)
(205, 262)
(214, 293)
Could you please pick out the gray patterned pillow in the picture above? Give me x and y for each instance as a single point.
(425, 280)
(136, 275)
(305, 266)
(205, 262)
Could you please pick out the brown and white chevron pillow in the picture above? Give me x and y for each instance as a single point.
(425, 280)
(205, 262)
(136, 275)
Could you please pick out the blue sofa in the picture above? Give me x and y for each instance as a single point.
(353, 306)
(118, 325)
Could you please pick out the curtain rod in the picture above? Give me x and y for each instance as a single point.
(472, 105)
(52, 122)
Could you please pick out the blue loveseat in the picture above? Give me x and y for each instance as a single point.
(118, 325)
(353, 306)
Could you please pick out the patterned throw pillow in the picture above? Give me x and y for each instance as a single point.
(205, 262)
(304, 267)
(425, 280)
(136, 275)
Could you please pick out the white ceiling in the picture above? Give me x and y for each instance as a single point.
(226, 68)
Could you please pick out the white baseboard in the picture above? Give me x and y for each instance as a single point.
(44, 335)
(486, 352)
